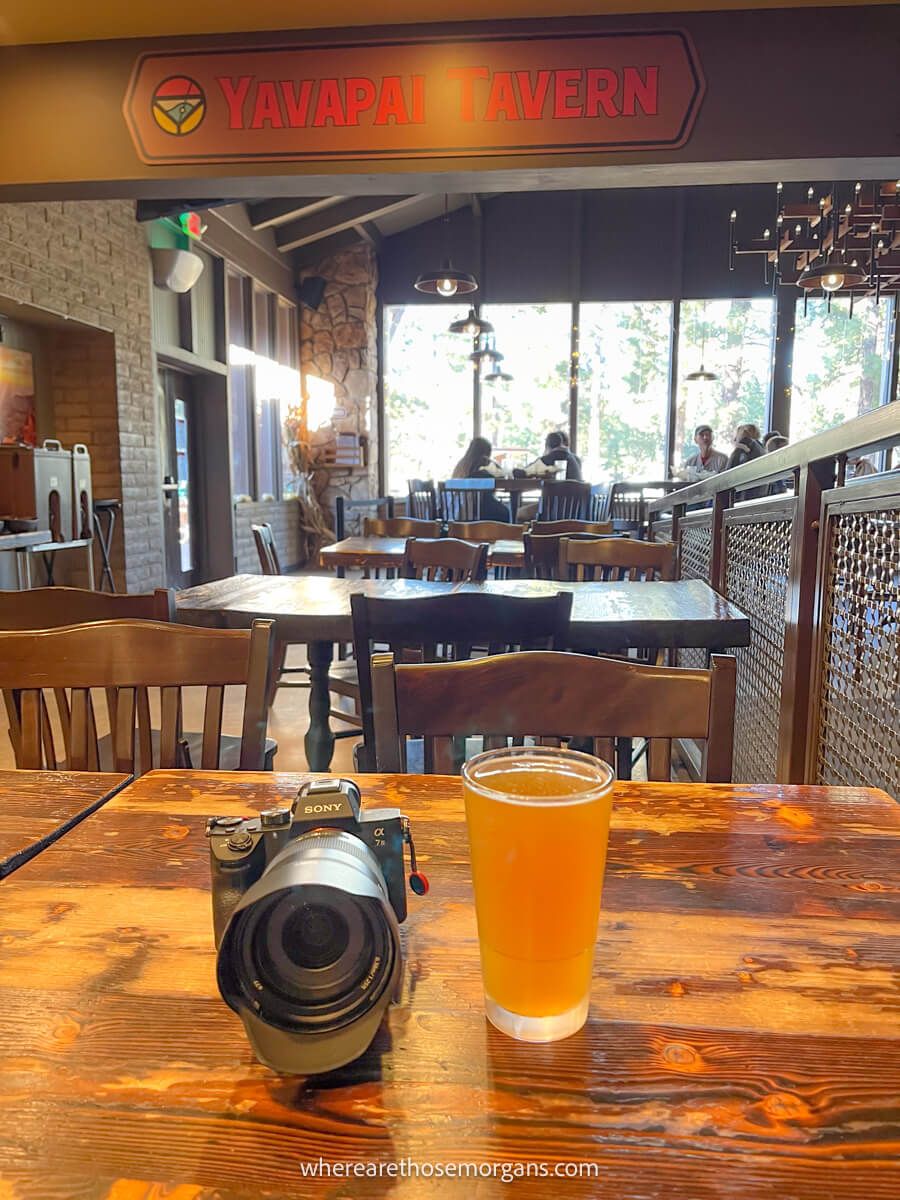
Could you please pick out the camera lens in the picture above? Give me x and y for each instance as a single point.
(317, 946)
(315, 936)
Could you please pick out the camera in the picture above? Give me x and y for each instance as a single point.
(307, 903)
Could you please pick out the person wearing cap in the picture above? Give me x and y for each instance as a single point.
(707, 461)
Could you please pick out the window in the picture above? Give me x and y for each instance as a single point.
(839, 366)
(535, 340)
(288, 391)
(623, 389)
(427, 393)
(735, 340)
(266, 407)
(240, 358)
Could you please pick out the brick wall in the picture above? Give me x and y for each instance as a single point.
(282, 516)
(88, 261)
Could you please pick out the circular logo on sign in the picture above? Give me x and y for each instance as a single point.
(179, 105)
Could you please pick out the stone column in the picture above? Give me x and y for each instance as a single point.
(338, 345)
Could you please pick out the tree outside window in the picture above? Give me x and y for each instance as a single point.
(623, 388)
(735, 340)
(839, 369)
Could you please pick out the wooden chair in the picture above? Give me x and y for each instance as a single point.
(615, 559)
(521, 695)
(448, 627)
(627, 503)
(542, 553)
(460, 499)
(565, 500)
(422, 502)
(377, 506)
(445, 560)
(269, 562)
(485, 531)
(126, 659)
(50, 607)
(596, 528)
(599, 501)
(398, 527)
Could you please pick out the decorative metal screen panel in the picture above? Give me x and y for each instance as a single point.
(858, 738)
(695, 553)
(757, 565)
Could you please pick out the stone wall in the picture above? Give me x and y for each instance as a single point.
(282, 516)
(88, 261)
(338, 343)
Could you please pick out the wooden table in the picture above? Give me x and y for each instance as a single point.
(316, 610)
(742, 1041)
(385, 552)
(37, 807)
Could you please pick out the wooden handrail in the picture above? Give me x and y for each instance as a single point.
(873, 431)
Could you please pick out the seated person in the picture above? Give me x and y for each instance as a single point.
(772, 442)
(858, 466)
(747, 445)
(477, 463)
(556, 450)
(707, 461)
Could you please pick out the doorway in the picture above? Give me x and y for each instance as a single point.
(178, 447)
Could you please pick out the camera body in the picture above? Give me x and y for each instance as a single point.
(307, 902)
(242, 848)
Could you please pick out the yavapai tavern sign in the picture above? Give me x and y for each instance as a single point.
(416, 99)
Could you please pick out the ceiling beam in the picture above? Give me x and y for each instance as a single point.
(371, 233)
(339, 217)
(275, 212)
(314, 252)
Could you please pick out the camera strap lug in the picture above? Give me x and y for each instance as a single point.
(418, 880)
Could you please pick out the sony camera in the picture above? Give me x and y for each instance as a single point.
(307, 901)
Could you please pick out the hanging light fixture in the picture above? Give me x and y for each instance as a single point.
(472, 324)
(446, 281)
(702, 376)
(497, 376)
(488, 353)
(831, 276)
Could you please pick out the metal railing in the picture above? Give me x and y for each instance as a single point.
(817, 570)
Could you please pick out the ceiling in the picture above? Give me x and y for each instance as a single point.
(24, 21)
(304, 229)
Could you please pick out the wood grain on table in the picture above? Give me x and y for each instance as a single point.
(311, 608)
(742, 1040)
(38, 806)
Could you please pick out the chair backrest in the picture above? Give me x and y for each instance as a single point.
(553, 696)
(485, 531)
(50, 607)
(445, 560)
(597, 528)
(599, 501)
(626, 504)
(416, 627)
(269, 562)
(460, 499)
(400, 527)
(542, 552)
(126, 659)
(616, 558)
(565, 500)
(376, 506)
(422, 503)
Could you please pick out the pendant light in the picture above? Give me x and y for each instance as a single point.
(831, 276)
(702, 376)
(497, 376)
(446, 281)
(487, 353)
(472, 324)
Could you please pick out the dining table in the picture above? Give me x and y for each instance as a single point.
(315, 610)
(742, 1039)
(379, 553)
(37, 807)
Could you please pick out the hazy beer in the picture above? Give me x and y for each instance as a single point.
(538, 822)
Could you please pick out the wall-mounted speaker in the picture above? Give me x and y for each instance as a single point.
(311, 291)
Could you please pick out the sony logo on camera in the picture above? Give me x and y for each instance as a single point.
(322, 808)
